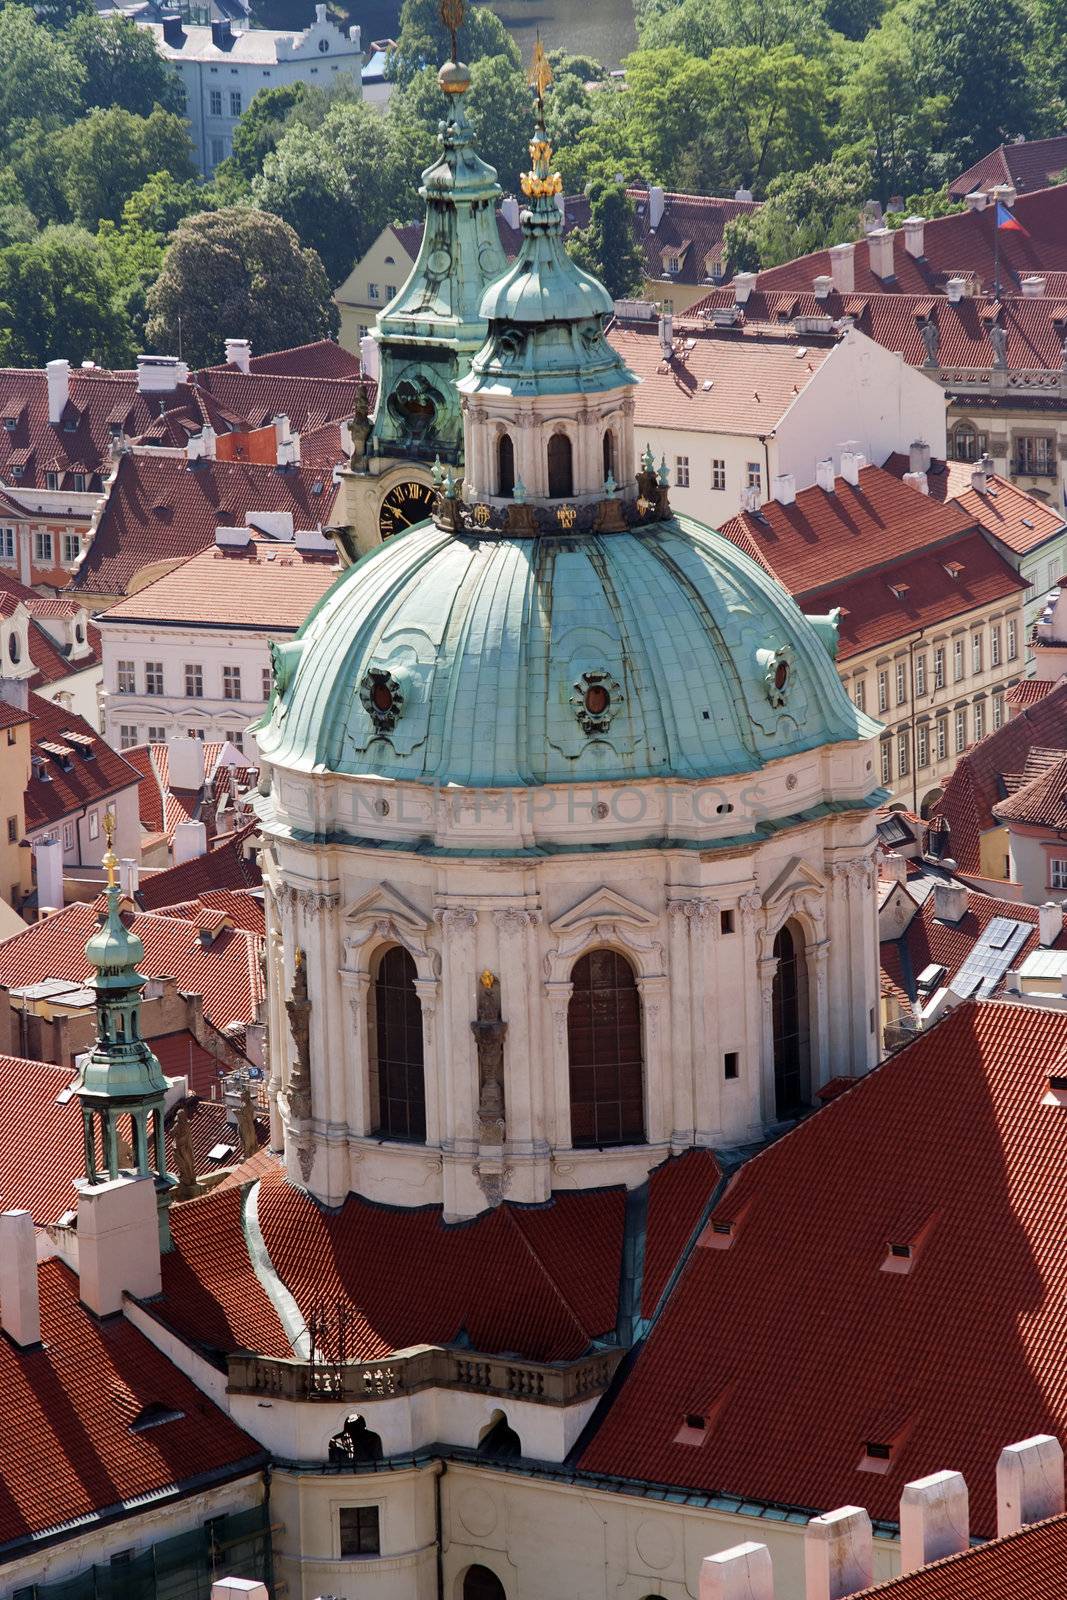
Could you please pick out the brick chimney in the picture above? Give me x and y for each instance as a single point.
(1029, 1483)
(843, 267)
(838, 1554)
(784, 488)
(20, 1303)
(822, 286)
(919, 456)
(934, 1519)
(743, 1572)
(239, 354)
(914, 229)
(880, 253)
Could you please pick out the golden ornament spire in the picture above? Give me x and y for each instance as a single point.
(540, 183)
(452, 16)
(111, 860)
(539, 79)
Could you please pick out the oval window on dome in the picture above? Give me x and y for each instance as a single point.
(781, 675)
(597, 700)
(382, 696)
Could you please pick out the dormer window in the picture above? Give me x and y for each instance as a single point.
(10, 423)
(953, 568)
(51, 480)
(899, 590)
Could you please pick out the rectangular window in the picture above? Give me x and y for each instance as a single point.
(754, 476)
(195, 733)
(153, 677)
(1050, 575)
(718, 474)
(1013, 639)
(265, 682)
(125, 678)
(942, 738)
(883, 691)
(1057, 872)
(902, 683)
(12, 830)
(94, 825)
(887, 761)
(939, 667)
(235, 102)
(998, 710)
(730, 1065)
(51, 480)
(236, 738)
(127, 735)
(979, 719)
(903, 761)
(7, 544)
(72, 548)
(681, 471)
(726, 921)
(42, 548)
(994, 645)
(68, 836)
(859, 693)
(373, 292)
(920, 675)
(218, 152)
(976, 652)
(215, 102)
(390, 291)
(157, 734)
(78, 482)
(957, 660)
(922, 745)
(194, 682)
(1036, 454)
(231, 683)
(961, 729)
(360, 1535)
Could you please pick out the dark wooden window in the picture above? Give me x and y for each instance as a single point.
(398, 1029)
(505, 466)
(360, 1534)
(789, 1014)
(479, 1583)
(604, 1039)
(609, 454)
(560, 467)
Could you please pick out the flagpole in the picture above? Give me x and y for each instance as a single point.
(996, 253)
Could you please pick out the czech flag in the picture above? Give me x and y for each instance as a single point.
(1006, 222)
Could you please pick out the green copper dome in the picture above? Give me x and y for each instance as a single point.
(453, 658)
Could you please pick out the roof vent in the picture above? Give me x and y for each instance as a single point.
(931, 977)
(1057, 1090)
(822, 286)
(726, 316)
(1033, 287)
(824, 474)
(954, 288)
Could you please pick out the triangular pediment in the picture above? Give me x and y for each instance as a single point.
(796, 877)
(385, 901)
(604, 905)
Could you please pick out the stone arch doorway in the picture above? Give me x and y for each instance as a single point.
(607, 1071)
(398, 1084)
(791, 1023)
(481, 1583)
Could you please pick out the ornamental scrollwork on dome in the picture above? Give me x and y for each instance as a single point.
(777, 667)
(597, 699)
(382, 698)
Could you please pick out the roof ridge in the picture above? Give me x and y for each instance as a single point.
(511, 1216)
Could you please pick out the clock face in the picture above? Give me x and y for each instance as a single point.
(403, 506)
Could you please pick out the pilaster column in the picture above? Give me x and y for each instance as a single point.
(840, 996)
(703, 920)
(683, 1062)
(559, 999)
(859, 902)
(526, 437)
(768, 971)
(818, 959)
(522, 1070)
(653, 992)
(427, 991)
(459, 1076)
(750, 911)
(356, 989)
(276, 1020)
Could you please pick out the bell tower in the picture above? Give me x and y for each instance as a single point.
(121, 1086)
(427, 335)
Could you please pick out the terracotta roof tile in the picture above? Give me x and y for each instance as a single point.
(265, 584)
(47, 656)
(242, 908)
(224, 866)
(1029, 164)
(94, 772)
(814, 1346)
(1042, 802)
(678, 1193)
(38, 1169)
(928, 940)
(1028, 1565)
(324, 358)
(1019, 521)
(1028, 691)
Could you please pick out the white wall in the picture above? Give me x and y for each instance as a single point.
(84, 850)
(79, 693)
(176, 647)
(1030, 866)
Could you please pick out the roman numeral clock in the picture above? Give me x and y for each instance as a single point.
(405, 504)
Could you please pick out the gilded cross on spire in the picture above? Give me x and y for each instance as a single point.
(539, 79)
(452, 17)
(111, 860)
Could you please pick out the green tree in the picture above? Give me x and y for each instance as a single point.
(109, 154)
(423, 40)
(807, 211)
(991, 95)
(741, 245)
(887, 114)
(122, 65)
(134, 257)
(339, 184)
(58, 297)
(606, 246)
(700, 26)
(238, 268)
(40, 77)
(261, 127)
(58, 13)
(162, 202)
(17, 222)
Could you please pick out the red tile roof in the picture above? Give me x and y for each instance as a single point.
(1030, 164)
(1028, 691)
(857, 529)
(243, 908)
(88, 774)
(800, 1349)
(225, 866)
(263, 584)
(1028, 1565)
(324, 358)
(225, 970)
(928, 940)
(182, 1056)
(678, 1193)
(69, 1446)
(38, 1168)
(47, 656)
(691, 226)
(250, 400)
(160, 509)
(13, 716)
(1017, 520)
(731, 380)
(1042, 802)
(976, 783)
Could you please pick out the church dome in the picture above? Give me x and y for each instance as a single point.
(487, 661)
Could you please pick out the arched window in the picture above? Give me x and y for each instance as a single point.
(604, 1041)
(505, 466)
(967, 443)
(500, 1442)
(355, 1444)
(480, 1583)
(560, 467)
(397, 1038)
(789, 1005)
(609, 454)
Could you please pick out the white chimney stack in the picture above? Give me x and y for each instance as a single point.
(950, 901)
(914, 228)
(743, 1572)
(20, 1302)
(1049, 922)
(852, 462)
(239, 354)
(980, 475)
(934, 1519)
(784, 488)
(894, 867)
(657, 203)
(58, 375)
(190, 841)
(1029, 1483)
(744, 195)
(509, 210)
(287, 443)
(185, 762)
(843, 267)
(919, 456)
(666, 333)
(822, 286)
(118, 1243)
(160, 374)
(880, 253)
(917, 480)
(129, 876)
(744, 283)
(48, 861)
(824, 474)
(838, 1554)
(368, 357)
(201, 446)
(1005, 193)
(976, 200)
(1033, 287)
(954, 288)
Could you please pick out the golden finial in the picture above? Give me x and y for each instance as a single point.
(452, 16)
(487, 979)
(540, 76)
(111, 860)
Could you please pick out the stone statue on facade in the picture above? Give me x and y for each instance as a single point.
(931, 337)
(298, 1008)
(998, 338)
(181, 1138)
(489, 1031)
(246, 1124)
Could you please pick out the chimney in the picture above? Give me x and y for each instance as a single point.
(190, 841)
(509, 210)
(1049, 922)
(201, 446)
(743, 1572)
(744, 283)
(118, 1243)
(20, 1303)
(1029, 1483)
(824, 474)
(129, 877)
(784, 488)
(1033, 287)
(1005, 193)
(287, 445)
(744, 195)
(368, 357)
(976, 200)
(894, 867)
(914, 228)
(822, 286)
(838, 1554)
(880, 253)
(919, 456)
(954, 288)
(238, 1589)
(666, 334)
(750, 499)
(656, 205)
(160, 374)
(843, 267)
(185, 762)
(58, 375)
(852, 461)
(934, 1519)
(48, 861)
(173, 32)
(239, 354)
(221, 33)
(918, 480)
(950, 901)
(980, 474)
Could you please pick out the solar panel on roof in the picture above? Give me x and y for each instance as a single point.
(991, 956)
(999, 931)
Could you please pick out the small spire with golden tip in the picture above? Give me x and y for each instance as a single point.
(540, 183)
(539, 79)
(111, 860)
